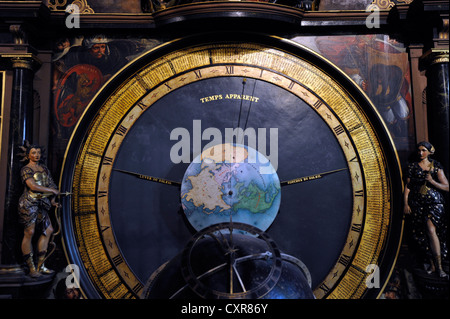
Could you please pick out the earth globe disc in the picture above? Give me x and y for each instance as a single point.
(230, 182)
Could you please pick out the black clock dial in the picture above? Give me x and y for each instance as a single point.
(132, 147)
(305, 145)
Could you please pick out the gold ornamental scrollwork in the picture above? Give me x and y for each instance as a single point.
(61, 5)
(443, 34)
(388, 4)
(57, 4)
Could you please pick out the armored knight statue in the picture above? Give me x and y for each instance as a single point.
(38, 197)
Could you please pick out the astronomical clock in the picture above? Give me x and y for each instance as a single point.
(231, 134)
(223, 149)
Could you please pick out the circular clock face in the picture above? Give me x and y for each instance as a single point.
(337, 169)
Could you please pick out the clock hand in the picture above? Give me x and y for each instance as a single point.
(244, 81)
(49, 194)
(150, 178)
(310, 177)
(250, 106)
(231, 252)
(231, 272)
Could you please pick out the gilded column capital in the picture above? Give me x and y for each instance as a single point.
(434, 56)
(22, 60)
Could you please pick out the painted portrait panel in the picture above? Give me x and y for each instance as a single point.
(80, 68)
(380, 67)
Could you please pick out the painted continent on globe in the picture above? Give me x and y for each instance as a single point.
(230, 180)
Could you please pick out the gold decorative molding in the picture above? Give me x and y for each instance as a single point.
(22, 63)
(19, 35)
(83, 6)
(388, 4)
(24, 60)
(61, 5)
(443, 34)
(434, 56)
(56, 5)
(404, 1)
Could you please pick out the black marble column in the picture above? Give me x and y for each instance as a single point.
(20, 129)
(436, 64)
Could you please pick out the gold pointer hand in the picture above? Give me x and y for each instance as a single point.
(48, 194)
(149, 178)
(310, 177)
